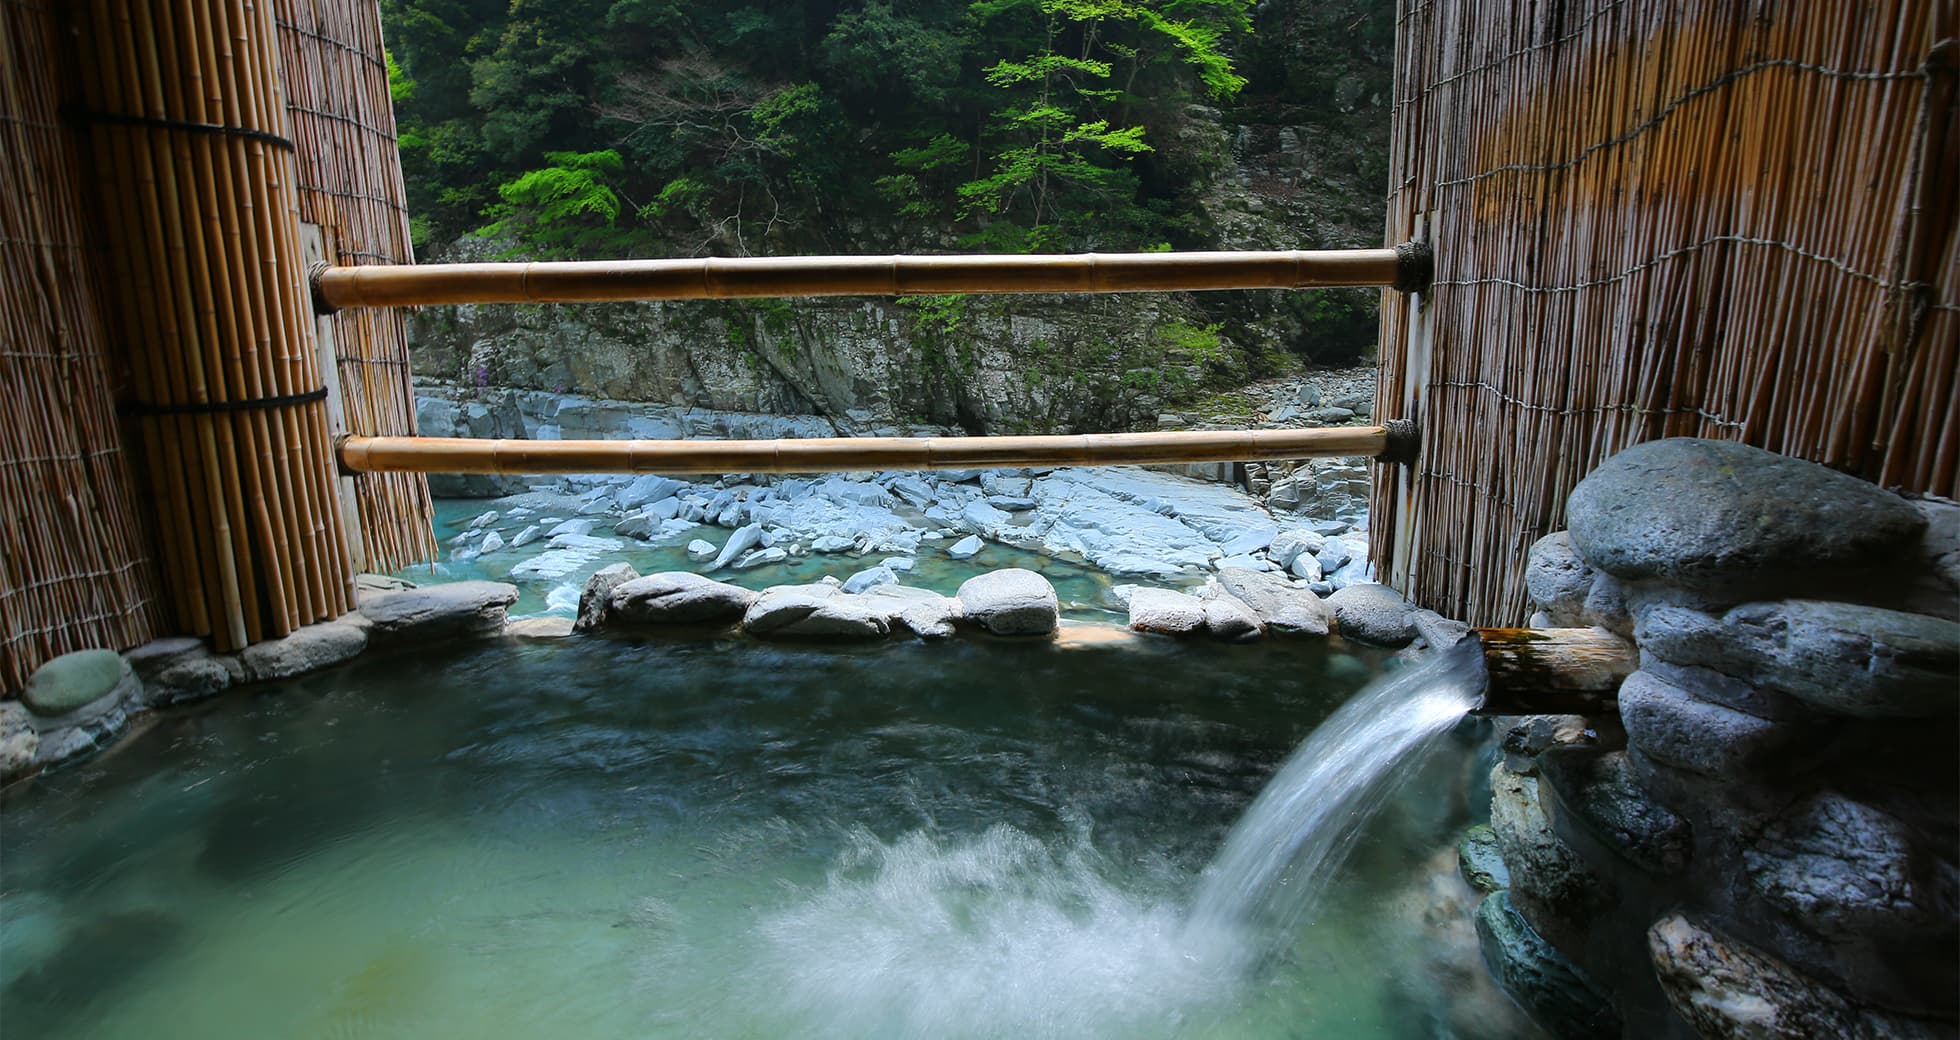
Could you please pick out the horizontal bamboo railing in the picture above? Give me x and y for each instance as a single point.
(383, 285)
(842, 454)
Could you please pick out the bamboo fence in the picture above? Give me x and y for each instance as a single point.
(709, 278)
(75, 568)
(194, 171)
(350, 184)
(844, 454)
(1653, 219)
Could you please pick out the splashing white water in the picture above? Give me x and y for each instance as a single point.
(1002, 935)
(1281, 854)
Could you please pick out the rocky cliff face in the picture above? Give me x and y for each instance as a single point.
(984, 365)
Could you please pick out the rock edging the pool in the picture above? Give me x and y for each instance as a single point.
(83, 702)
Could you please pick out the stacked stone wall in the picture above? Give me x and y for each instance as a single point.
(1763, 842)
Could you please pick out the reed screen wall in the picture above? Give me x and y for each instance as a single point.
(75, 566)
(350, 184)
(1654, 219)
(192, 170)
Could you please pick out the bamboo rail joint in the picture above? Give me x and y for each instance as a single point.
(843, 454)
(1404, 267)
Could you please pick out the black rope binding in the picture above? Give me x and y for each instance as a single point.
(185, 125)
(142, 409)
(1415, 267)
(1404, 442)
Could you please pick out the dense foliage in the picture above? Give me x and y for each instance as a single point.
(687, 127)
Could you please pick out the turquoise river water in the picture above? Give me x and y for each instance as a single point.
(614, 838)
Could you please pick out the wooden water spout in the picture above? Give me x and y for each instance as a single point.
(1553, 671)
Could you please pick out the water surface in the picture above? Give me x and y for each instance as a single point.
(590, 838)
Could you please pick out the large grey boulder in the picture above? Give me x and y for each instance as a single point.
(1373, 613)
(1551, 989)
(595, 600)
(1844, 868)
(306, 649)
(1728, 990)
(79, 685)
(1280, 605)
(1676, 728)
(1842, 658)
(450, 610)
(1725, 518)
(677, 598)
(813, 611)
(1558, 580)
(1011, 602)
(1166, 612)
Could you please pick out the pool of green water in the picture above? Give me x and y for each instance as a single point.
(596, 838)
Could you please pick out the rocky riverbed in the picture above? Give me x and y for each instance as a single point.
(1095, 532)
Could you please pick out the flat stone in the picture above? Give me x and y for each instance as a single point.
(595, 600)
(1525, 737)
(74, 681)
(813, 611)
(1306, 568)
(181, 669)
(1228, 619)
(1288, 546)
(744, 539)
(1842, 868)
(1373, 613)
(1481, 861)
(677, 598)
(1166, 612)
(1278, 604)
(452, 609)
(1726, 989)
(1543, 867)
(529, 534)
(1722, 517)
(539, 628)
(1558, 580)
(19, 743)
(1673, 727)
(306, 649)
(1011, 602)
(701, 549)
(1551, 989)
(1603, 799)
(1841, 658)
(762, 558)
(1436, 630)
(870, 579)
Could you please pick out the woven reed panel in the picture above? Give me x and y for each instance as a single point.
(350, 183)
(1651, 219)
(76, 570)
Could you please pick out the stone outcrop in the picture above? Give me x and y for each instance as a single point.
(1012, 602)
(446, 611)
(677, 598)
(1760, 843)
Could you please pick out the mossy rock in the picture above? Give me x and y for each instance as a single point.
(1480, 861)
(73, 681)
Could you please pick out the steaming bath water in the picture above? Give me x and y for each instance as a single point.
(614, 839)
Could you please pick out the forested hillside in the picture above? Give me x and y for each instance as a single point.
(562, 128)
